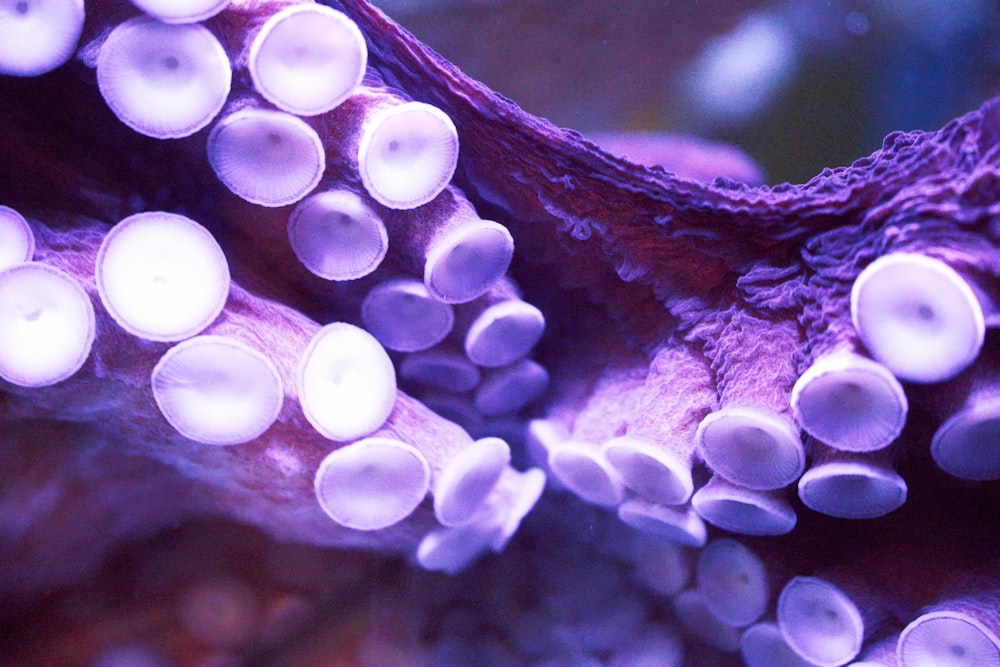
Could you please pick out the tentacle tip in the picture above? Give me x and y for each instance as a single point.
(694, 616)
(452, 549)
(521, 492)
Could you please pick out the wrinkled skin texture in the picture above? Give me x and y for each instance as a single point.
(621, 257)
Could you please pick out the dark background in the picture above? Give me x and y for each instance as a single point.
(853, 70)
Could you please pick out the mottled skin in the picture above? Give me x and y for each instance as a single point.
(621, 257)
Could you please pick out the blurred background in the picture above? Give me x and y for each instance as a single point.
(798, 84)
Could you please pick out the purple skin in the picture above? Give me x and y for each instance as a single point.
(659, 257)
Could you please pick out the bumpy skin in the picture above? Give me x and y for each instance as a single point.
(620, 257)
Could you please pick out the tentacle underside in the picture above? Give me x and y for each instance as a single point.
(705, 345)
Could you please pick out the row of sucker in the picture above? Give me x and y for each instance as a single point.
(669, 451)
